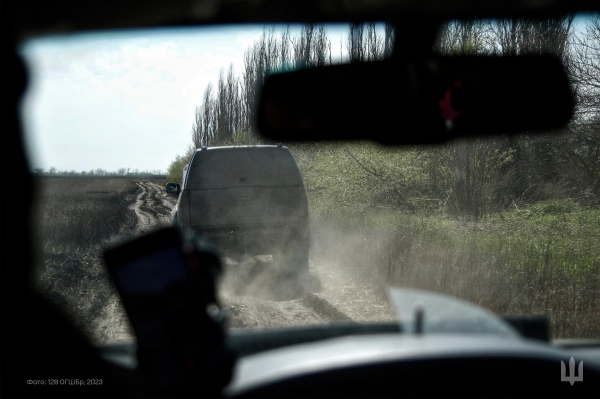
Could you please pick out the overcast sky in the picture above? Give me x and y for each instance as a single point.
(125, 99)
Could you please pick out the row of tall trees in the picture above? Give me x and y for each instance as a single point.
(228, 108)
(466, 178)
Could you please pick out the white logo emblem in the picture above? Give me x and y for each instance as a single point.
(571, 377)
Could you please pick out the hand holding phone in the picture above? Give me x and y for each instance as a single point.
(167, 286)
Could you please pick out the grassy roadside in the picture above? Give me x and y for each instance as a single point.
(75, 217)
(542, 260)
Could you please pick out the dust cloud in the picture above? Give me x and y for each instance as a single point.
(255, 297)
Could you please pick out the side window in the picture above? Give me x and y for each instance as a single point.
(184, 174)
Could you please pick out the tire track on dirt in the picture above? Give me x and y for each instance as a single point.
(167, 202)
(145, 220)
(112, 326)
(151, 207)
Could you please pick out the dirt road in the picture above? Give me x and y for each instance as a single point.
(332, 296)
(152, 208)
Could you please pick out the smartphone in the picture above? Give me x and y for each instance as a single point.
(151, 274)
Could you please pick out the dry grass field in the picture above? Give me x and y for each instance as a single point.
(74, 218)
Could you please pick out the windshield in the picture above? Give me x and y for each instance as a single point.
(509, 223)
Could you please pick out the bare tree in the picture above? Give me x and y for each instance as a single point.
(285, 49)
(197, 132)
(221, 127)
(370, 41)
(374, 43)
(355, 47)
(586, 68)
(229, 109)
(208, 115)
(302, 46)
(534, 162)
(270, 54)
(388, 45)
(259, 61)
(321, 47)
(533, 36)
(232, 103)
(464, 38)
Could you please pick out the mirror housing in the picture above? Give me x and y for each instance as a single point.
(417, 101)
(173, 188)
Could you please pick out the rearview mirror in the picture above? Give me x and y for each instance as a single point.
(173, 188)
(416, 101)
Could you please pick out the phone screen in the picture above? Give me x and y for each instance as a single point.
(150, 273)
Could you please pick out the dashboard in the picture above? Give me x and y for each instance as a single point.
(362, 362)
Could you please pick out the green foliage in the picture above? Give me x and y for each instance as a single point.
(512, 264)
(175, 170)
(459, 179)
(551, 207)
(358, 177)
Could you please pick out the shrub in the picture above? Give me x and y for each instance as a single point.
(175, 170)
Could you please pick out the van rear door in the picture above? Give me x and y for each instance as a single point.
(244, 205)
(244, 185)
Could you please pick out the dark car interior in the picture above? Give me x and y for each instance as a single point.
(344, 360)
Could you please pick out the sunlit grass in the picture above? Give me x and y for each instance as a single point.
(544, 259)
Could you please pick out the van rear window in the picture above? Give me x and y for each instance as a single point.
(234, 167)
